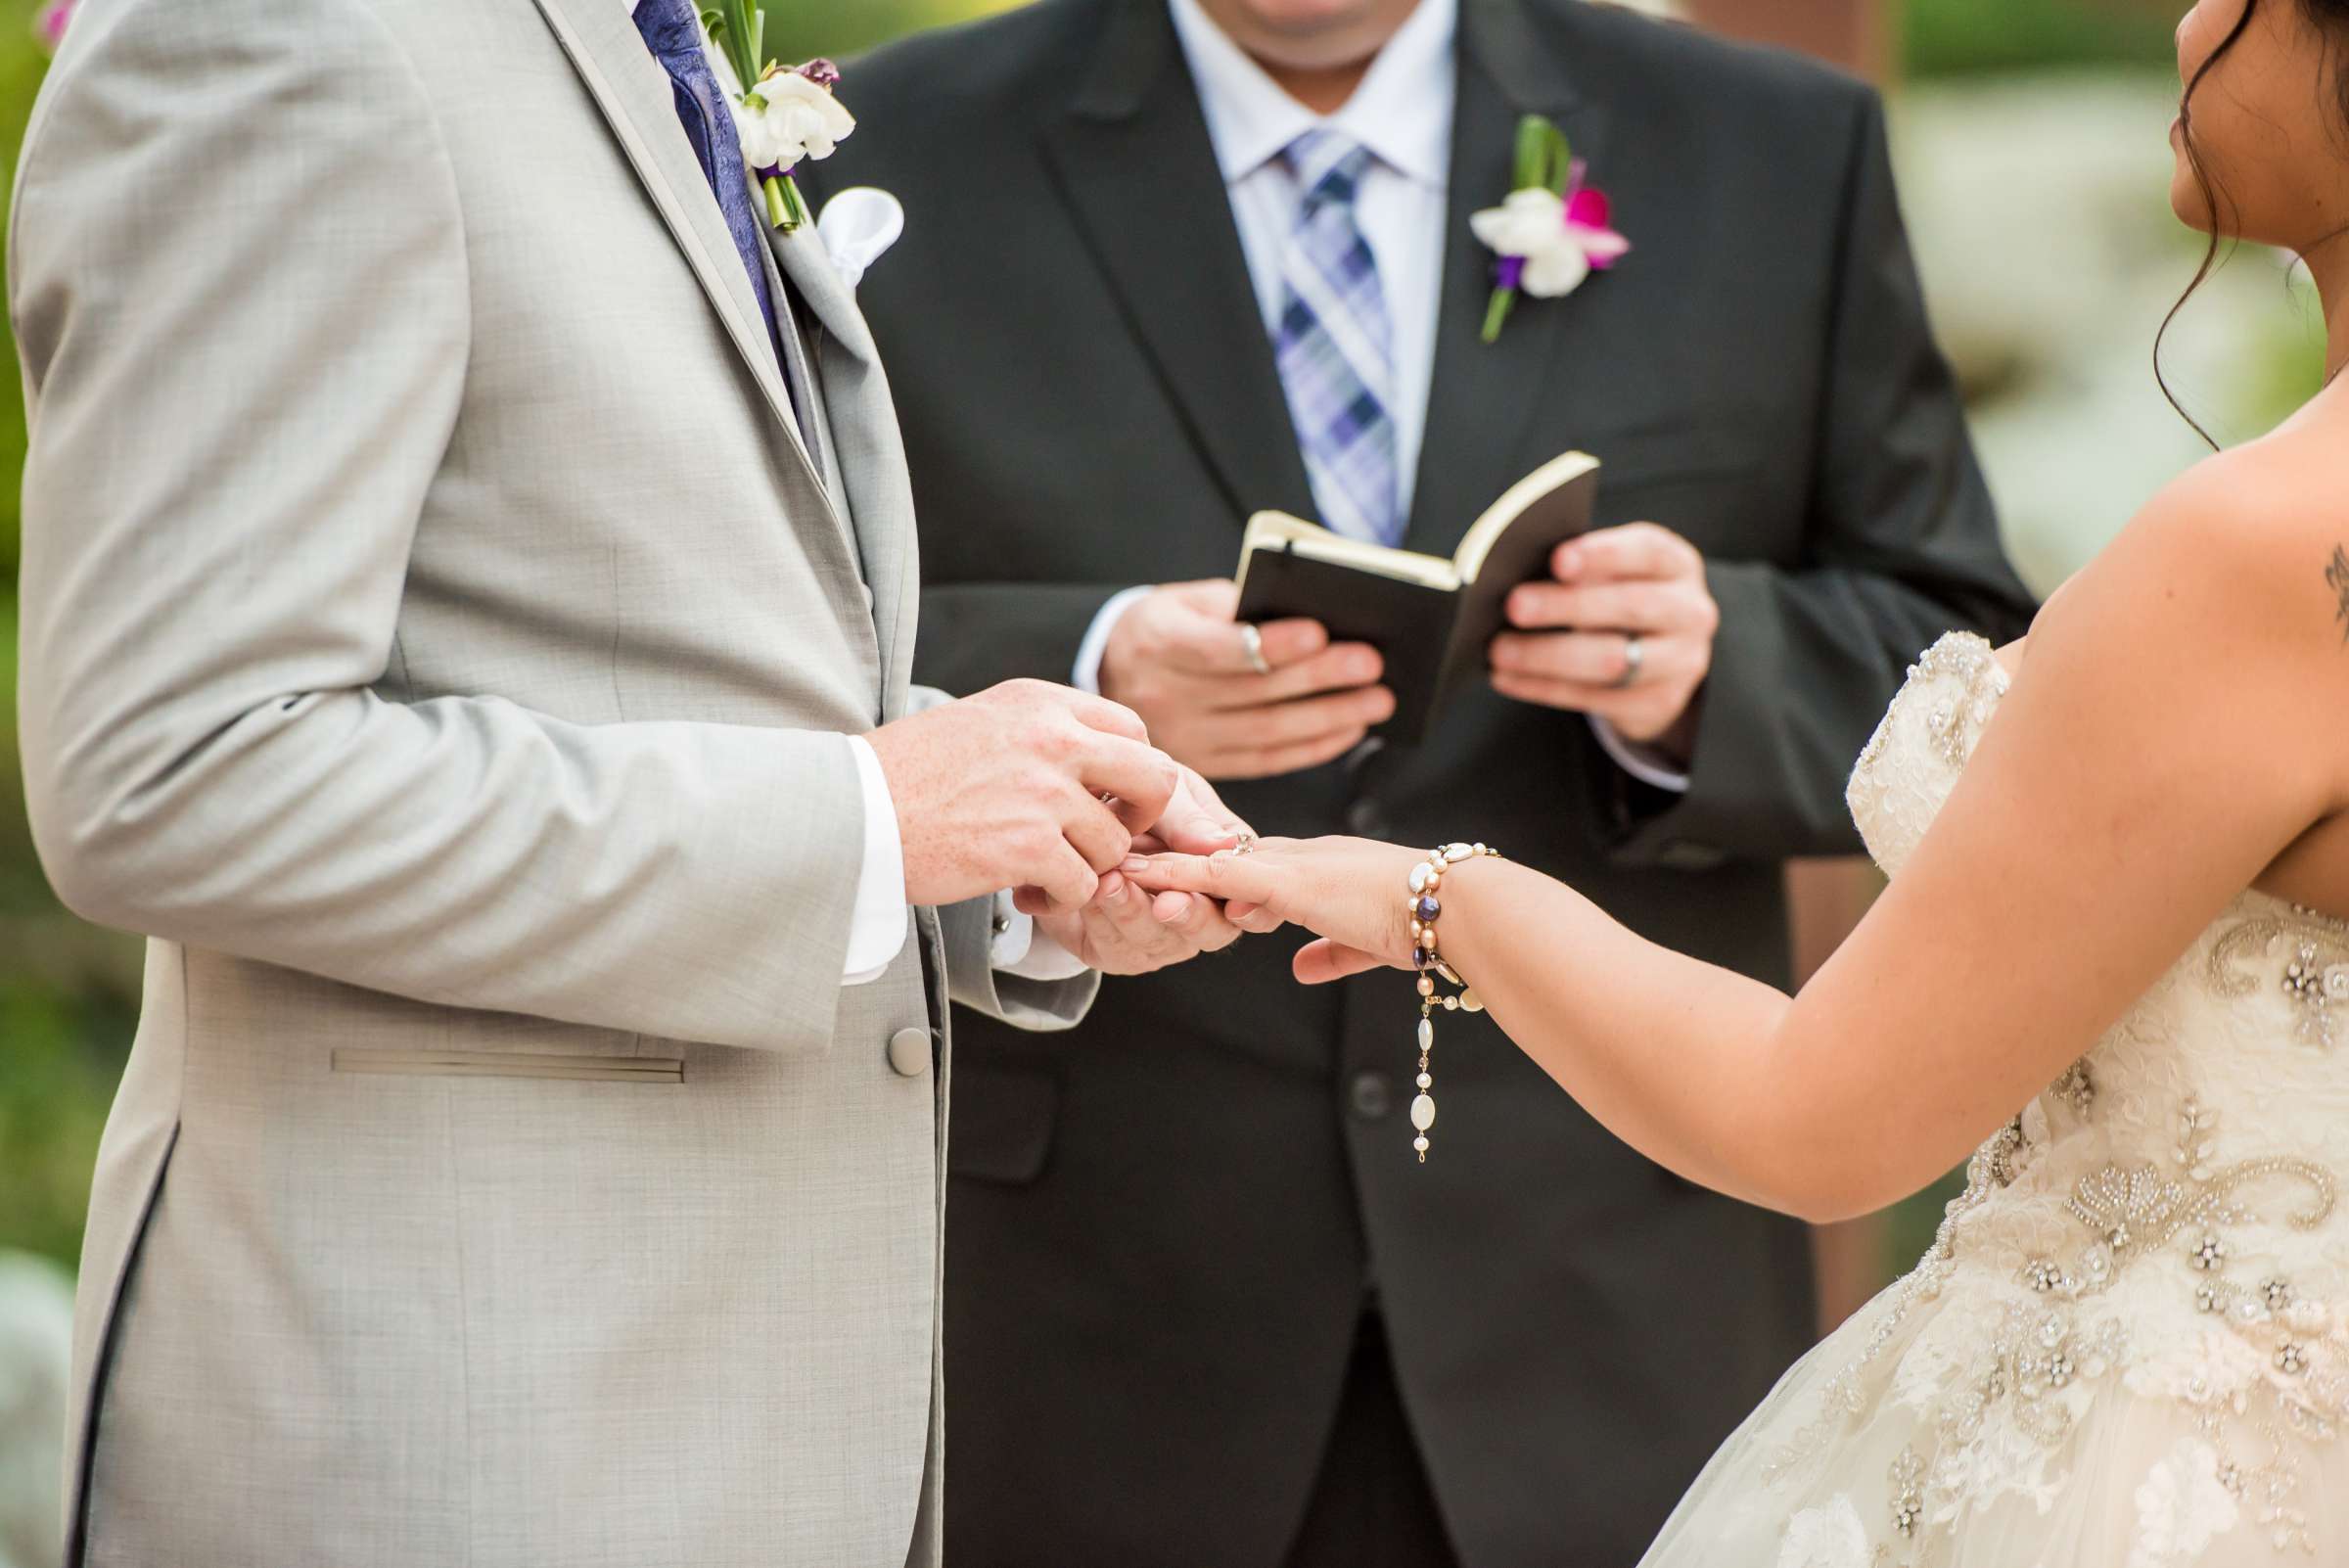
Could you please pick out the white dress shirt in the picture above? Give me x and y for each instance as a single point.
(1403, 113)
(881, 918)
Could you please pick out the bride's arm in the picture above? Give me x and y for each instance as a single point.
(2178, 726)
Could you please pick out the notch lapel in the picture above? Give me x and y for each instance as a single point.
(867, 448)
(1136, 168)
(635, 95)
(1482, 396)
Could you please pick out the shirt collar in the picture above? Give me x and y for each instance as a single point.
(1402, 112)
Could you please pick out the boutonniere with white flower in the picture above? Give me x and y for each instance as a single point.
(783, 113)
(1552, 230)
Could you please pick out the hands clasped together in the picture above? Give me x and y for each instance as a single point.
(1049, 791)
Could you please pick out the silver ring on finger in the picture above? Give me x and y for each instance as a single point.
(1634, 660)
(1252, 643)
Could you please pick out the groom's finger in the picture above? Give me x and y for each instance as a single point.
(1111, 719)
(1140, 777)
(1214, 647)
(1064, 880)
(1094, 832)
(1197, 921)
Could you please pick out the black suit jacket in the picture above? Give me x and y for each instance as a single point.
(1165, 1225)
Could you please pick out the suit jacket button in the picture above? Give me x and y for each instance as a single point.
(1366, 819)
(909, 1052)
(1373, 1096)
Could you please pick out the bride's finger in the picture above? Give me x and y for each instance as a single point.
(1227, 878)
(1318, 963)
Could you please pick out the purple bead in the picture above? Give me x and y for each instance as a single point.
(1419, 956)
(1429, 908)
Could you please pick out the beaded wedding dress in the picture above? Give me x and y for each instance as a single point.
(2129, 1346)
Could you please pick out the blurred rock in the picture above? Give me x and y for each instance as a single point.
(36, 1338)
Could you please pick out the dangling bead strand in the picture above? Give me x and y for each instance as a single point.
(1426, 908)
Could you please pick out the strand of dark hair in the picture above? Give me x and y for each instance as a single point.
(2215, 201)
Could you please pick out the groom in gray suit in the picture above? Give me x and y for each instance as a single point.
(469, 598)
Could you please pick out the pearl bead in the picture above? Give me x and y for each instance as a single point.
(1423, 1113)
(1427, 1081)
(1427, 985)
(1418, 879)
(1427, 1033)
(1420, 1144)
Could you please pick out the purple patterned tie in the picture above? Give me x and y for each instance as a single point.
(1334, 345)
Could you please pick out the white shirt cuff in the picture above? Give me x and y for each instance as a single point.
(1643, 762)
(1020, 950)
(1086, 676)
(878, 923)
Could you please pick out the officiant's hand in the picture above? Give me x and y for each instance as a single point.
(1572, 646)
(1023, 784)
(1179, 660)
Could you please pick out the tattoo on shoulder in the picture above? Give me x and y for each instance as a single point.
(2337, 578)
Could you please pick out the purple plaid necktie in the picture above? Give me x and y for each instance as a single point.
(1333, 344)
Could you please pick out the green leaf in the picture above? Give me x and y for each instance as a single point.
(1533, 151)
(1561, 159)
(1543, 159)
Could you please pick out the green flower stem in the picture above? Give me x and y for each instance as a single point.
(1497, 313)
(784, 209)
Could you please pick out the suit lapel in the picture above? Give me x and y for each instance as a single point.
(1482, 397)
(1136, 168)
(635, 95)
(856, 421)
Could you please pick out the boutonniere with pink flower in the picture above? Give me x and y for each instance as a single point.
(783, 113)
(1552, 232)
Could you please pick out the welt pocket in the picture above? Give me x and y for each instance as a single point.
(512, 1063)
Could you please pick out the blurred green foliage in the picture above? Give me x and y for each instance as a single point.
(1956, 37)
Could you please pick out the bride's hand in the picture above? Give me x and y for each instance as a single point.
(1351, 892)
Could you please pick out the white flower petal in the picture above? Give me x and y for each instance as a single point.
(1556, 270)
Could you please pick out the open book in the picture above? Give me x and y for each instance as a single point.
(1429, 616)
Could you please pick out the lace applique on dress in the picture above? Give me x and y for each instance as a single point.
(2304, 953)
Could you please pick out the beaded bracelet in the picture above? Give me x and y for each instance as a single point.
(1427, 879)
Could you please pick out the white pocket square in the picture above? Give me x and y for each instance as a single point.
(857, 226)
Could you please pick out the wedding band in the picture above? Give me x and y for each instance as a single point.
(1635, 657)
(1252, 643)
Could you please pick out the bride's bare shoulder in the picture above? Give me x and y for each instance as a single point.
(2248, 551)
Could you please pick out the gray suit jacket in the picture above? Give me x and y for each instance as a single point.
(438, 638)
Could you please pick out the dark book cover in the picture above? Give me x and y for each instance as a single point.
(1430, 619)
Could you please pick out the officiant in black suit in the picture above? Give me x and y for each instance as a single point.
(1205, 1306)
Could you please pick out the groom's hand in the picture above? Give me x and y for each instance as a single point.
(1571, 648)
(1179, 660)
(1127, 930)
(1026, 784)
